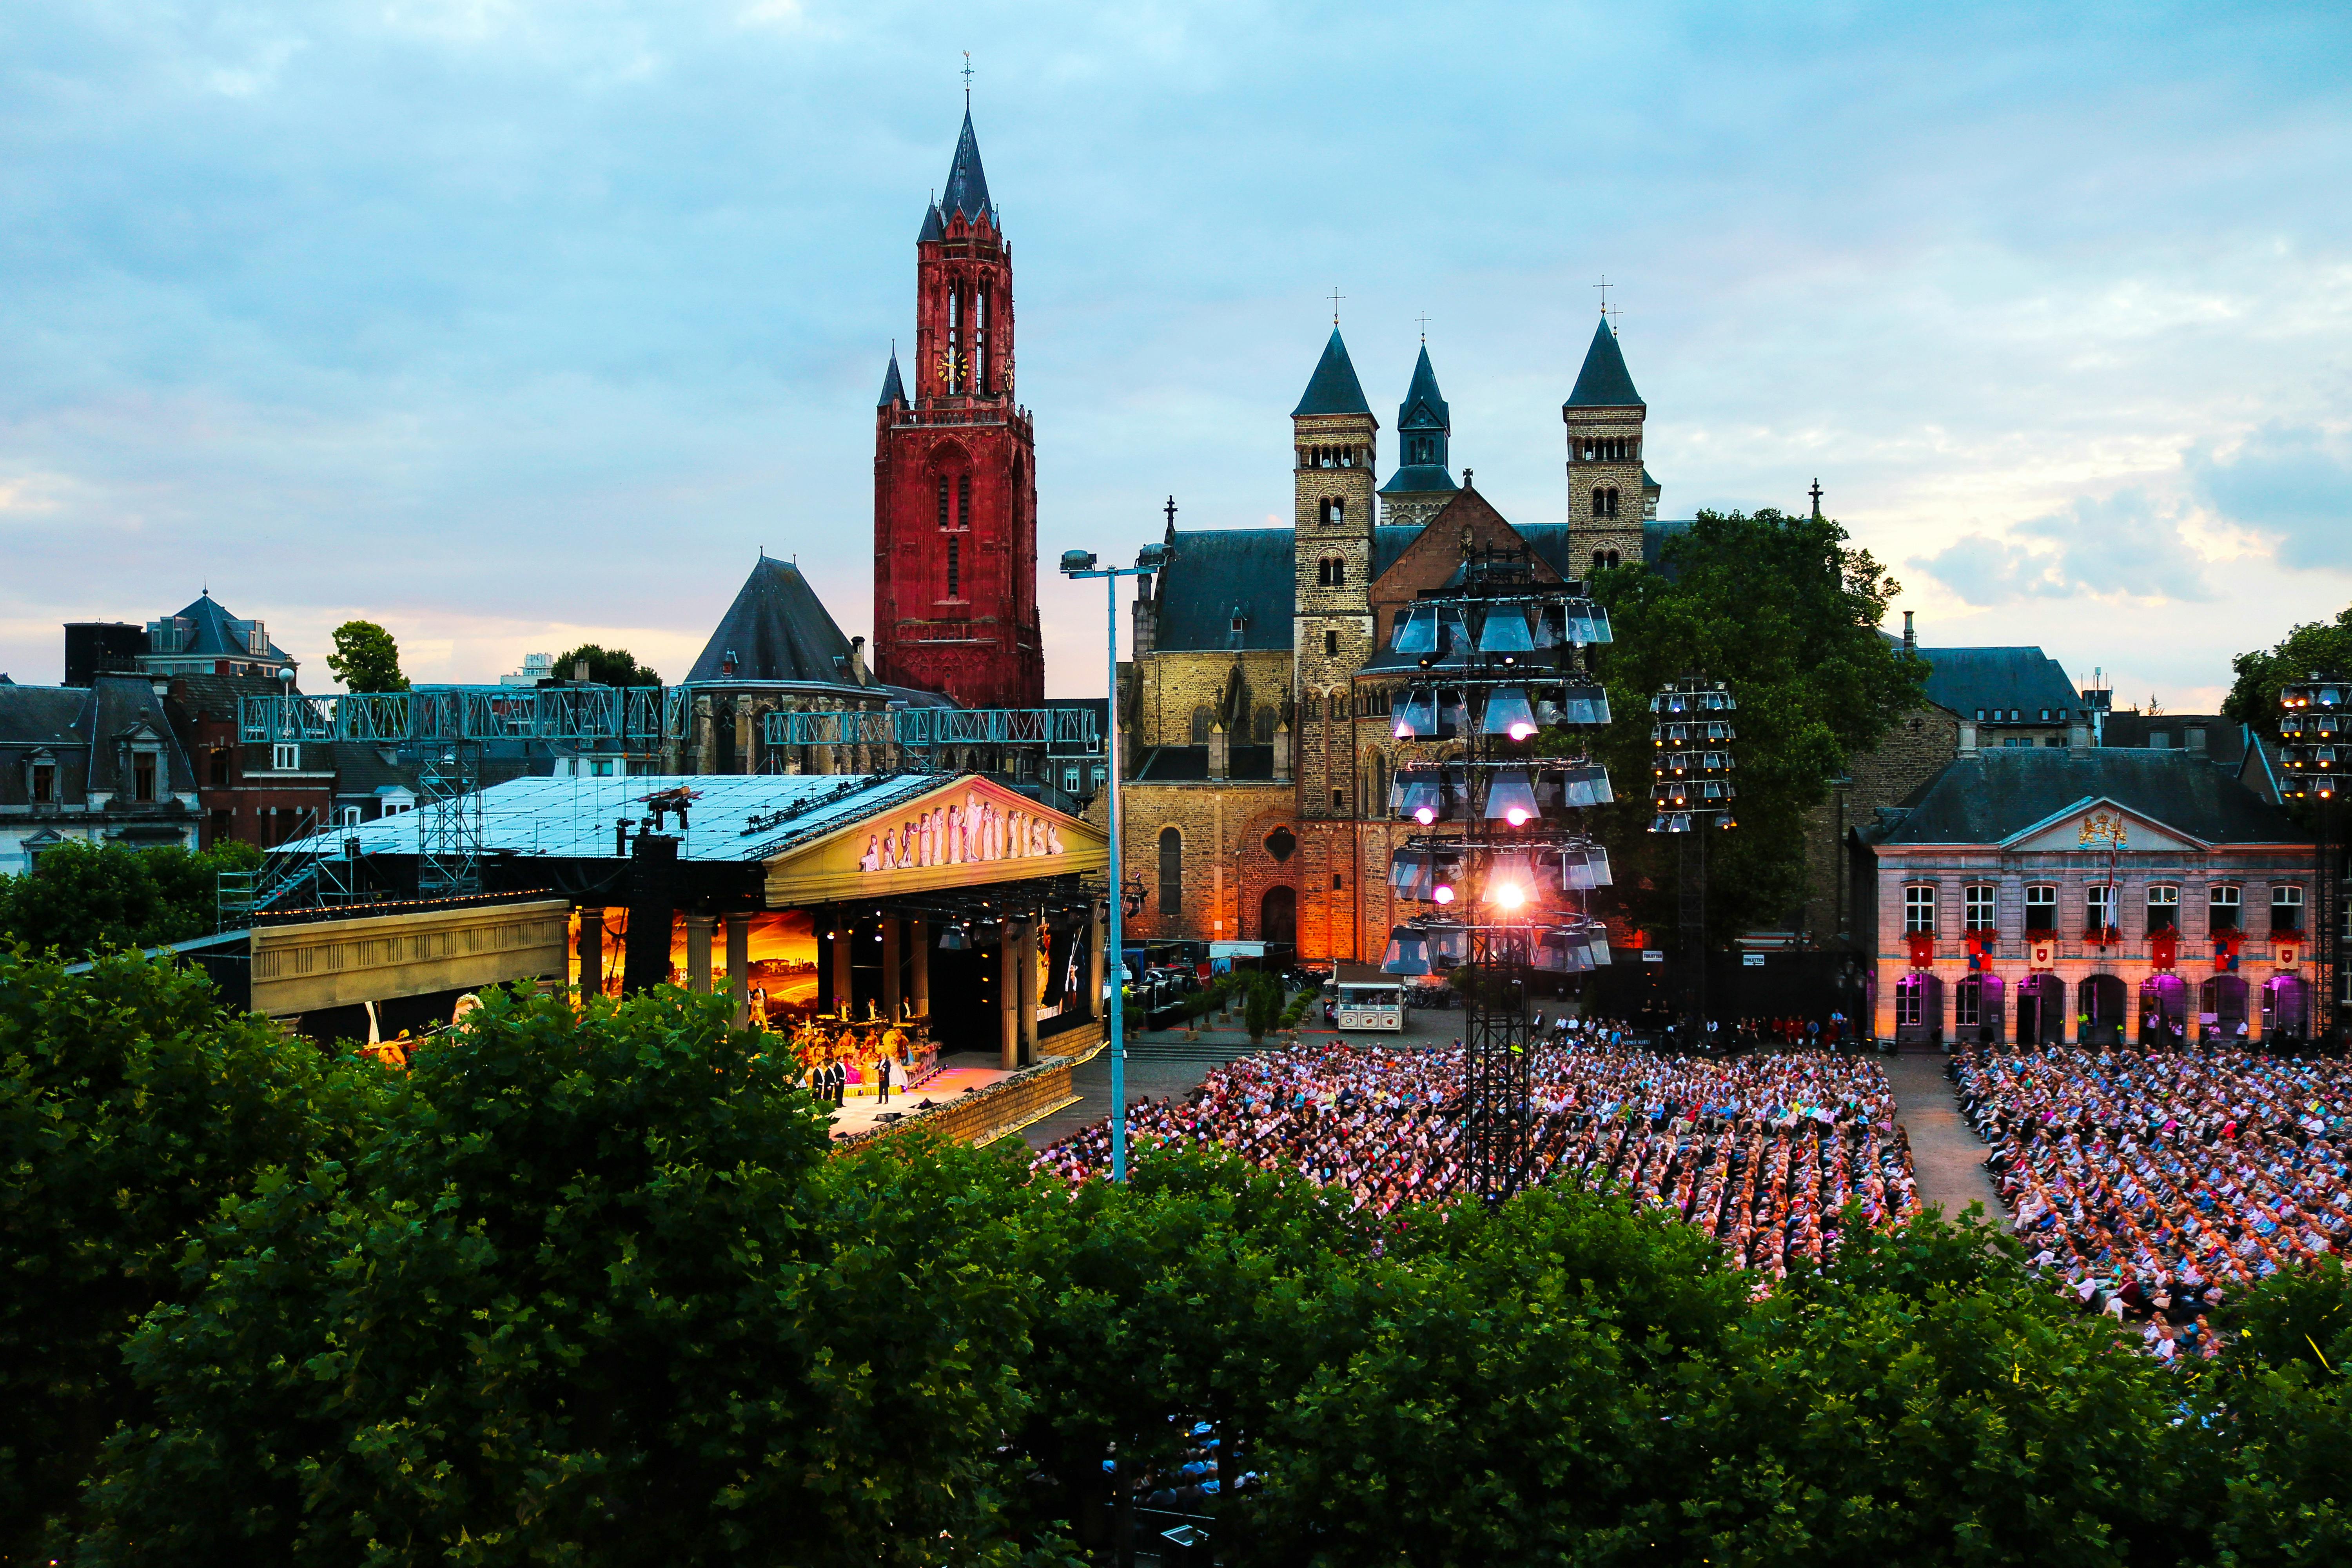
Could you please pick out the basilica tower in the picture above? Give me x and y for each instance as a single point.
(1608, 489)
(1335, 439)
(955, 488)
(1423, 481)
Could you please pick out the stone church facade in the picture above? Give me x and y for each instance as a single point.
(1258, 704)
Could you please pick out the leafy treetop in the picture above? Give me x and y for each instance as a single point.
(606, 666)
(366, 659)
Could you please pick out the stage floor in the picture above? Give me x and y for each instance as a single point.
(956, 1075)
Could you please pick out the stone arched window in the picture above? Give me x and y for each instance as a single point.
(1331, 572)
(1262, 727)
(1172, 871)
(1333, 511)
(1201, 717)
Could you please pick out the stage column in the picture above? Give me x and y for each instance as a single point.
(739, 966)
(1008, 995)
(591, 951)
(1029, 992)
(842, 928)
(919, 980)
(697, 951)
(890, 925)
(1094, 1008)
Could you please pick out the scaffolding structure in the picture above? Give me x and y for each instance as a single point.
(594, 717)
(1690, 792)
(1503, 684)
(918, 737)
(2314, 749)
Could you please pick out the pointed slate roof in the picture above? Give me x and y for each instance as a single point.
(1334, 388)
(934, 226)
(967, 182)
(1425, 407)
(216, 631)
(1997, 793)
(778, 629)
(893, 389)
(1604, 381)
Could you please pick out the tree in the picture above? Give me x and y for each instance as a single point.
(366, 659)
(131, 1107)
(2321, 646)
(1787, 612)
(82, 899)
(591, 1290)
(606, 666)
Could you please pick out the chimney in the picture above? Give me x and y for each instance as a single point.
(2078, 738)
(1220, 752)
(1910, 638)
(858, 660)
(1968, 738)
(580, 671)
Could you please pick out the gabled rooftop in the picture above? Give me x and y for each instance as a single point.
(1995, 794)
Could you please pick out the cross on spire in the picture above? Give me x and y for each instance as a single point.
(1816, 493)
(967, 80)
(1603, 287)
(1336, 298)
(1423, 320)
(1170, 510)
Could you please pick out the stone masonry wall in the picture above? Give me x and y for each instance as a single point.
(1912, 752)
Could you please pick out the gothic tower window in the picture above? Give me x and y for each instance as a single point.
(1200, 728)
(1333, 511)
(1172, 871)
(955, 567)
(943, 500)
(963, 500)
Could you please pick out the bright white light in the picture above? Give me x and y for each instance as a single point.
(1510, 895)
(1444, 894)
(1404, 731)
(1425, 815)
(1522, 731)
(1515, 817)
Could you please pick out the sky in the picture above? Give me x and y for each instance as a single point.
(511, 324)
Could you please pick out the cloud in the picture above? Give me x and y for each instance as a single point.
(2126, 546)
(2291, 484)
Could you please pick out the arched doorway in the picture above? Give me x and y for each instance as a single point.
(2286, 1007)
(1977, 1013)
(1277, 916)
(2099, 1006)
(1918, 1010)
(2163, 1010)
(2041, 1011)
(2221, 1010)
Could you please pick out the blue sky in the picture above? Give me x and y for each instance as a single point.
(508, 324)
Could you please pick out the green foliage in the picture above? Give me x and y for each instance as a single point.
(1261, 1004)
(1787, 612)
(366, 659)
(2316, 646)
(2283, 1388)
(606, 666)
(82, 899)
(591, 1290)
(131, 1107)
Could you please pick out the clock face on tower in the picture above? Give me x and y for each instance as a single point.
(951, 367)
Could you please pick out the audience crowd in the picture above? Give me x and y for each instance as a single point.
(1761, 1152)
(2151, 1184)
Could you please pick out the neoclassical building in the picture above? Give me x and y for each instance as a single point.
(2085, 894)
(1258, 705)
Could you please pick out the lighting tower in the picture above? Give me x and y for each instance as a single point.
(2315, 747)
(1690, 791)
(1502, 859)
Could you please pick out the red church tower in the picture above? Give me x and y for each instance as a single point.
(955, 488)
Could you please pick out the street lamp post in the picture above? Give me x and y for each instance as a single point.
(1077, 563)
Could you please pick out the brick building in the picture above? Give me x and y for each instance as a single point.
(265, 794)
(955, 470)
(2085, 893)
(1258, 705)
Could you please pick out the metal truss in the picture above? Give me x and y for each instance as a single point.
(1499, 1046)
(922, 729)
(449, 819)
(593, 716)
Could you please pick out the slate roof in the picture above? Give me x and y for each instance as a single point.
(1604, 381)
(779, 630)
(1423, 407)
(1389, 542)
(40, 715)
(934, 226)
(893, 389)
(1965, 679)
(2005, 790)
(1216, 569)
(1333, 388)
(1420, 479)
(967, 190)
(2225, 738)
(220, 696)
(214, 630)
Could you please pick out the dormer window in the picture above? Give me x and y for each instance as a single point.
(142, 777)
(44, 788)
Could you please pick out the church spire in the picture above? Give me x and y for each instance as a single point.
(1604, 381)
(1423, 481)
(1333, 388)
(967, 190)
(893, 389)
